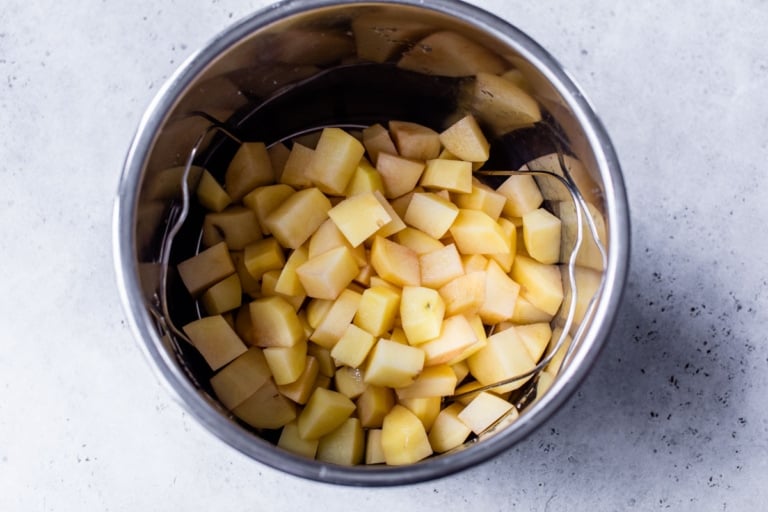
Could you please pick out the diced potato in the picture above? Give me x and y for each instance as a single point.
(503, 357)
(455, 337)
(461, 369)
(482, 339)
(365, 179)
(399, 174)
(278, 155)
(483, 198)
(373, 404)
(398, 336)
(248, 169)
(452, 175)
(421, 313)
(418, 241)
(541, 284)
(448, 431)
(403, 437)
(300, 390)
(286, 363)
(241, 378)
(395, 263)
(376, 139)
(474, 263)
(335, 322)
(447, 53)
(325, 411)
(501, 104)
(237, 226)
(345, 445)
(377, 310)
(325, 362)
(295, 170)
(328, 237)
(465, 139)
(432, 381)
(588, 282)
(224, 296)
(431, 214)
(349, 382)
(392, 364)
(353, 346)
(211, 194)
(262, 256)
(289, 283)
(557, 360)
(522, 193)
(415, 141)
(476, 233)
(264, 200)
(249, 284)
(527, 313)
(373, 451)
(425, 408)
(535, 337)
(217, 342)
(291, 440)
(400, 203)
(207, 268)
(541, 232)
(360, 216)
(506, 259)
(500, 295)
(464, 294)
(440, 266)
(294, 221)
(334, 160)
(393, 226)
(327, 275)
(485, 409)
(266, 408)
(275, 323)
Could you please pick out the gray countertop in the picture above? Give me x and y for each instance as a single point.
(673, 414)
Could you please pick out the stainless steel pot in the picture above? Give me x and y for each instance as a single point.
(277, 73)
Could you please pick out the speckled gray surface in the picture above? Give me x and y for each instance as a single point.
(674, 414)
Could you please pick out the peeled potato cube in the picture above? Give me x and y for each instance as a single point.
(206, 268)
(474, 263)
(503, 357)
(335, 321)
(587, 283)
(295, 169)
(394, 262)
(353, 346)
(396, 224)
(278, 155)
(464, 294)
(432, 381)
(288, 283)
(269, 282)
(224, 296)
(400, 175)
(451, 175)
(456, 336)
(263, 200)
(535, 337)
(249, 168)
(349, 382)
(500, 295)
(300, 390)
(241, 378)
(334, 160)
(501, 104)
(447, 53)
(324, 412)
(421, 313)
(483, 411)
(291, 440)
(326, 366)
(275, 323)
(377, 310)
(217, 342)
(448, 431)
(431, 214)
(403, 437)
(465, 140)
(506, 259)
(415, 141)
(376, 140)
(483, 198)
(474, 232)
(262, 256)
(527, 313)
(326, 275)
(373, 452)
(211, 194)
(392, 364)
(373, 404)
(425, 408)
(365, 179)
(286, 363)
(237, 226)
(360, 216)
(294, 221)
(441, 266)
(541, 233)
(345, 445)
(522, 193)
(541, 284)
(328, 237)
(266, 408)
(418, 241)
(482, 339)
